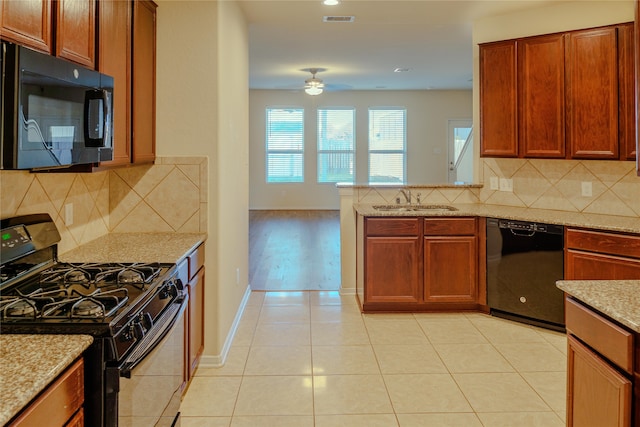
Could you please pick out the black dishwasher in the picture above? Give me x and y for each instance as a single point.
(524, 261)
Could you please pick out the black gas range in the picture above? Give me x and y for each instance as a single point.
(129, 308)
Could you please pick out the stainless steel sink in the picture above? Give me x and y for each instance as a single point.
(414, 208)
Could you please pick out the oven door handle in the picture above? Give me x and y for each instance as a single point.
(163, 325)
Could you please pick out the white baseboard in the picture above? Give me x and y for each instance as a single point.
(347, 291)
(218, 360)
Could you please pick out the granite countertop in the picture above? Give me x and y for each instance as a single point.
(30, 363)
(617, 299)
(572, 219)
(136, 247)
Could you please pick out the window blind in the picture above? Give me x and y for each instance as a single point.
(285, 145)
(387, 146)
(336, 145)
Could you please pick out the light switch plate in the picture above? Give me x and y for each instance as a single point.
(587, 189)
(506, 184)
(494, 183)
(68, 214)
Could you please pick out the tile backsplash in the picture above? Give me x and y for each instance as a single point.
(170, 195)
(538, 183)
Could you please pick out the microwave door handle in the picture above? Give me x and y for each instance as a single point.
(93, 130)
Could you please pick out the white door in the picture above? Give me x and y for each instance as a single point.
(460, 151)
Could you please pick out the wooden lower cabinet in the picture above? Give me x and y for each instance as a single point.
(457, 283)
(597, 255)
(600, 369)
(58, 405)
(195, 319)
(393, 269)
(418, 264)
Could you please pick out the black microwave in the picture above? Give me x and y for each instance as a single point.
(55, 113)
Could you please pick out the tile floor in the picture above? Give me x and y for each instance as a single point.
(311, 359)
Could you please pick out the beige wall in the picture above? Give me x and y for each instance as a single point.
(202, 110)
(427, 116)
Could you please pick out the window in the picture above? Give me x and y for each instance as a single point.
(335, 145)
(285, 145)
(387, 146)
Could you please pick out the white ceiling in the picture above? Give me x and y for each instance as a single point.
(429, 37)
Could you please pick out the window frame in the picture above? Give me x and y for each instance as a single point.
(402, 151)
(284, 151)
(320, 151)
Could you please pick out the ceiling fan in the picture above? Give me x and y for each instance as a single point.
(314, 85)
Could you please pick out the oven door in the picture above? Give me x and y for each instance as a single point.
(151, 379)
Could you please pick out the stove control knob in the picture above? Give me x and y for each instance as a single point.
(179, 284)
(138, 330)
(146, 320)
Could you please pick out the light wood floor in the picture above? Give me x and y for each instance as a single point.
(294, 250)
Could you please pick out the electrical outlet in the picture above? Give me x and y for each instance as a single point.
(587, 189)
(494, 183)
(68, 214)
(506, 184)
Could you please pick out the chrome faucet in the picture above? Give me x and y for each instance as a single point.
(407, 195)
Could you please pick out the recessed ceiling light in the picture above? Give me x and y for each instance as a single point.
(331, 2)
(401, 70)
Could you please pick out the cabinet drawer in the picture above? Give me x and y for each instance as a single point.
(58, 402)
(392, 227)
(196, 261)
(608, 243)
(449, 226)
(610, 340)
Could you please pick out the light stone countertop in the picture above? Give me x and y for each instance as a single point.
(618, 299)
(29, 363)
(136, 247)
(573, 219)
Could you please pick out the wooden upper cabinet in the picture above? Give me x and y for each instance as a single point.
(626, 92)
(75, 31)
(114, 50)
(27, 23)
(144, 81)
(541, 96)
(592, 94)
(498, 100)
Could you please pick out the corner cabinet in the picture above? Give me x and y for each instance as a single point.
(600, 369)
(417, 264)
(127, 51)
(143, 120)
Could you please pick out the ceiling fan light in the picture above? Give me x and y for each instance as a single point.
(313, 90)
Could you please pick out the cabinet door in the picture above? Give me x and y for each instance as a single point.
(589, 266)
(592, 94)
(541, 96)
(115, 60)
(196, 321)
(144, 82)
(498, 100)
(597, 395)
(75, 31)
(450, 269)
(27, 23)
(392, 269)
(626, 92)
